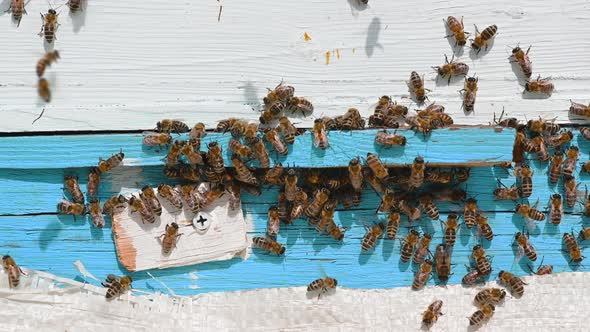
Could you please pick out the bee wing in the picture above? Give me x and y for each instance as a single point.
(530, 224)
(149, 132)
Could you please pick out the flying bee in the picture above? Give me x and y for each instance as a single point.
(67, 207)
(470, 212)
(485, 312)
(525, 175)
(507, 122)
(387, 201)
(214, 157)
(315, 206)
(114, 203)
(50, 25)
(484, 227)
(71, 185)
(170, 237)
(261, 153)
(96, 213)
(430, 316)
(388, 140)
(427, 204)
(288, 130)
(569, 165)
(514, 283)
(74, 5)
(370, 238)
(555, 209)
(291, 185)
(451, 227)
(469, 93)
(274, 223)
(529, 212)
(581, 110)
(320, 139)
(422, 275)
(43, 90)
(322, 285)
(504, 193)
(481, 260)
(377, 166)
(193, 157)
(251, 133)
(151, 200)
(417, 173)
(442, 257)
(273, 137)
(457, 30)
(171, 126)
(116, 286)
(417, 85)
(483, 39)
(269, 245)
(490, 295)
(409, 210)
(393, 224)
(373, 181)
(525, 245)
(298, 104)
(139, 206)
(113, 161)
(452, 68)
(243, 173)
(93, 182)
(523, 60)
(171, 195)
(560, 139)
(571, 192)
(409, 244)
(153, 138)
(572, 247)
(555, 166)
(539, 86)
(46, 61)
(274, 176)
(12, 270)
(422, 249)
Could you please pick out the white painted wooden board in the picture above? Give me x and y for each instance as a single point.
(126, 65)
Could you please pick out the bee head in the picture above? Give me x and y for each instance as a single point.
(461, 42)
(515, 50)
(475, 46)
(517, 207)
(52, 11)
(526, 87)
(282, 251)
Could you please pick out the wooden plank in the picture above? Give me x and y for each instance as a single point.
(110, 78)
(31, 152)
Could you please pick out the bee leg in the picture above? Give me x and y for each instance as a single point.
(449, 81)
(528, 49)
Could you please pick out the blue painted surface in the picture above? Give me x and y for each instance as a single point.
(52, 243)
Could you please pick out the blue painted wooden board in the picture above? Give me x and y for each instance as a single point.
(84, 150)
(50, 242)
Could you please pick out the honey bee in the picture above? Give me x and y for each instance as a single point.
(43, 90)
(484, 228)
(116, 286)
(190, 198)
(417, 85)
(12, 270)
(243, 173)
(445, 194)
(422, 249)
(113, 203)
(442, 257)
(388, 140)
(541, 148)
(320, 139)
(559, 140)
(457, 31)
(352, 120)
(298, 205)
(584, 233)
(370, 238)
(470, 212)
(49, 26)
(471, 277)
(196, 136)
(569, 165)
(430, 316)
(452, 68)
(529, 212)
(268, 115)
(525, 175)
(427, 204)
(171, 126)
(381, 112)
(193, 157)
(392, 224)
(585, 132)
(539, 86)
(261, 153)
(274, 176)
(139, 206)
(273, 225)
(225, 125)
(273, 137)
(71, 185)
(149, 197)
(541, 126)
(298, 104)
(334, 231)
(322, 285)
(570, 192)
(46, 61)
(409, 243)
(174, 153)
(327, 215)
(113, 161)
(572, 247)
(483, 39)
(469, 93)
(412, 212)
(556, 209)
(387, 201)
(523, 242)
(283, 208)
(452, 225)
(514, 283)
(67, 207)
(377, 167)
(153, 138)
(251, 133)
(372, 180)
(417, 173)
(523, 60)
(355, 174)
(555, 166)
(93, 182)
(269, 245)
(581, 110)
(211, 194)
(291, 185)
(504, 193)
(518, 148)
(481, 260)
(485, 312)
(96, 213)
(421, 277)
(171, 236)
(287, 129)
(542, 269)
(315, 207)
(235, 195)
(280, 93)
(214, 157)
(17, 7)
(171, 195)
(238, 128)
(390, 122)
(490, 295)
(507, 122)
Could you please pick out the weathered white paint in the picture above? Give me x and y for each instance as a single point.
(127, 64)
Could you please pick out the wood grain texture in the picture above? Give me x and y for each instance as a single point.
(121, 70)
